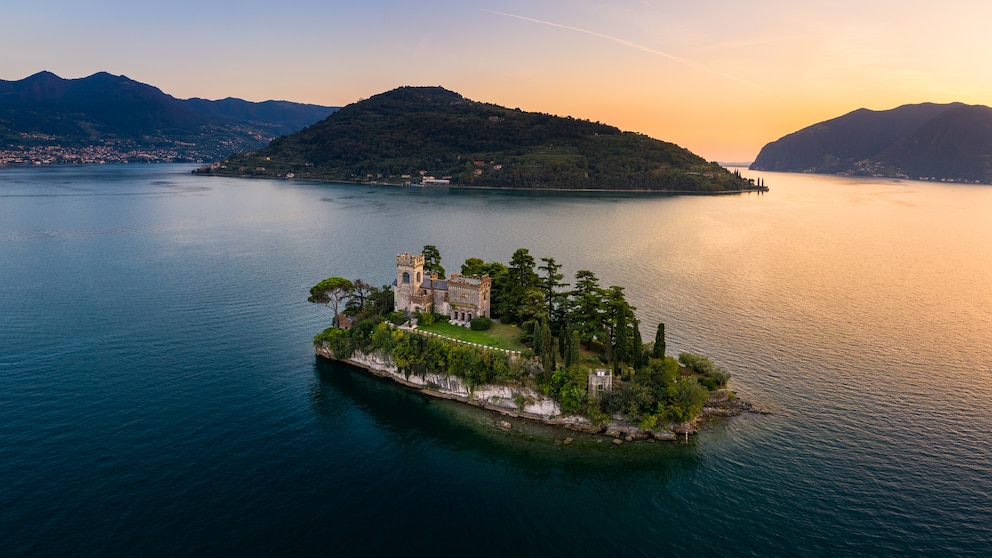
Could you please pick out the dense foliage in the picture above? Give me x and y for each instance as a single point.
(400, 135)
(570, 332)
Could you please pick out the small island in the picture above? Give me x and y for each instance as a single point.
(432, 137)
(569, 357)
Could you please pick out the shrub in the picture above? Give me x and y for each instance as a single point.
(482, 323)
(686, 398)
(398, 318)
(712, 376)
(337, 340)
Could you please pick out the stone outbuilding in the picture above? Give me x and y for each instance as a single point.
(600, 380)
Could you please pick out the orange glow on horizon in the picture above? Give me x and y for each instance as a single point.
(721, 80)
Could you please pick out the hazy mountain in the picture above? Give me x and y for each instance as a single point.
(103, 109)
(403, 134)
(930, 141)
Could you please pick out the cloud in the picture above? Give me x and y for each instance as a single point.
(684, 61)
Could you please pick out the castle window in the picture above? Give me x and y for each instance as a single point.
(419, 279)
(406, 277)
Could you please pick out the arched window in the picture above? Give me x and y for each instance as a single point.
(419, 279)
(406, 277)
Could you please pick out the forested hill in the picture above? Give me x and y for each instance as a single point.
(115, 111)
(405, 134)
(926, 141)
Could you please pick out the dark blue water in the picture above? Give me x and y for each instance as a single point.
(159, 393)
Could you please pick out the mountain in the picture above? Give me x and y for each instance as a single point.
(109, 110)
(412, 133)
(925, 141)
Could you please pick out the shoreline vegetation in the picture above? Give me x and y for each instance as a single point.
(758, 187)
(571, 358)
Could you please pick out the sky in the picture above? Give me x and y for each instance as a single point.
(719, 77)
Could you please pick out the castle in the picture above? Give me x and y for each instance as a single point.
(460, 298)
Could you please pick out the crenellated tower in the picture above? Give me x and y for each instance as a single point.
(409, 276)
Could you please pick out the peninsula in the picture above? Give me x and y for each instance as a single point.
(429, 136)
(570, 357)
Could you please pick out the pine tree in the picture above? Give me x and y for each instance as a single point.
(432, 261)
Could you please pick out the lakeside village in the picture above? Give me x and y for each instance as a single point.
(89, 155)
(50, 152)
(519, 340)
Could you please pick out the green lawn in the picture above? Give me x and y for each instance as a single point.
(499, 336)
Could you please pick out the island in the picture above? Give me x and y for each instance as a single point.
(433, 137)
(517, 340)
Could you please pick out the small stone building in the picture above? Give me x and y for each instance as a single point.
(600, 380)
(461, 298)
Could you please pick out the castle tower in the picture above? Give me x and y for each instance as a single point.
(409, 276)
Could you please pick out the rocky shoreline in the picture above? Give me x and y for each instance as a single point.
(525, 403)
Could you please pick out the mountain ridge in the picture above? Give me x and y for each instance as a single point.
(45, 110)
(929, 141)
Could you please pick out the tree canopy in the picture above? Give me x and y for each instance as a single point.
(331, 292)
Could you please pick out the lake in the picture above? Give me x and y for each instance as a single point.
(159, 394)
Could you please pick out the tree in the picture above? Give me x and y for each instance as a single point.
(522, 268)
(571, 347)
(544, 346)
(638, 355)
(658, 351)
(432, 261)
(520, 297)
(712, 376)
(587, 304)
(380, 300)
(686, 398)
(619, 321)
(331, 292)
(551, 283)
(473, 266)
(356, 301)
(618, 326)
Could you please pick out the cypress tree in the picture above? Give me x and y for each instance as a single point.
(659, 342)
(547, 347)
(538, 343)
(572, 354)
(637, 347)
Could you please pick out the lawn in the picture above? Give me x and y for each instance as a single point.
(499, 336)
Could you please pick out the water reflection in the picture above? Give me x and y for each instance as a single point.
(533, 450)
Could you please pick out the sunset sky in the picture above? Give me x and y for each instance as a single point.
(719, 77)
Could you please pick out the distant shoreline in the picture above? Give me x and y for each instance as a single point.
(756, 189)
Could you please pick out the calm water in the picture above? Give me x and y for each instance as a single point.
(159, 394)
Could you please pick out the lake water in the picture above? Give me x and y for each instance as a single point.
(159, 394)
